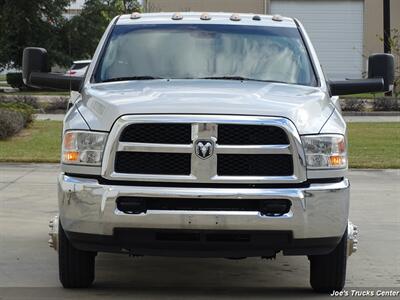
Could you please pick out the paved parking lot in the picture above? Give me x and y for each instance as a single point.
(28, 268)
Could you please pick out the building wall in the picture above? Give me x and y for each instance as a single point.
(74, 8)
(373, 14)
(395, 14)
(76, 4)
(244, 6)
(373, 26)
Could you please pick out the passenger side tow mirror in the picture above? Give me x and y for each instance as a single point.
(380, 78)
(36, 72)
(382, 66)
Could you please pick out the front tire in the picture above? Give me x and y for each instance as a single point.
(76, 267)
(328, 272)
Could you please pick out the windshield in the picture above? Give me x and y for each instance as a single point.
(205, 51)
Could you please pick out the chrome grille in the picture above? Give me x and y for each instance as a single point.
(265, 150)
(152, 163)
(231, 134)
(157, 133)
(255, 165)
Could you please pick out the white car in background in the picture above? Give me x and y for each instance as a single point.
(78, 68)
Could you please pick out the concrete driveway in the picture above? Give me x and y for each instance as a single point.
(28, 268)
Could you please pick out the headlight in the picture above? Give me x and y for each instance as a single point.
(325, 151)
(83, 147)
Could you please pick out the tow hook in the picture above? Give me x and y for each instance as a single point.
(53, 233)
(352, 238)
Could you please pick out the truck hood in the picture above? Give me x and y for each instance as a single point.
(307, 107)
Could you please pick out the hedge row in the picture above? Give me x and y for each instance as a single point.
(377, 104)
(14, 117)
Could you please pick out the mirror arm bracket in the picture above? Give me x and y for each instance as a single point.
(55, 81)
(356, 86)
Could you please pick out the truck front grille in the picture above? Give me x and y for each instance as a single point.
(255, 165)
(230, 134)
(152, 163)
(171, 148)
(163, 133)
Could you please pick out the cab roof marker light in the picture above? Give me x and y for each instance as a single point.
(256, 18)
(205, 17)
(277, 18)
(135, 15)
(177, 16)
(235, 17)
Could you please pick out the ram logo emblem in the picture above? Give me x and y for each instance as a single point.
(204, 149)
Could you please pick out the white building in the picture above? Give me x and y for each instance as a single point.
(74, 8)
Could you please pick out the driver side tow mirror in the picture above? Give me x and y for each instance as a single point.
(380, 78)
(36, 72)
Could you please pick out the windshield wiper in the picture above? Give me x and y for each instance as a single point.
(239, 78)
(132, 78)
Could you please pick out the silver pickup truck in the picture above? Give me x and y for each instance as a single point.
(206, 135)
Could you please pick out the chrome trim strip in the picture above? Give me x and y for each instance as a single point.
(152, 177)
(253, 149)
(80, 169)
(147, 147)
(253, 179)
(225, 213)
(205, 127)
(332, 173)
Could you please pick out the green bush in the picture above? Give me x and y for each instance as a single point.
(350, 104)
(15, 80)
(26, 99)
(386, 104)
(58, 104)
(11, 122)
(25, 110)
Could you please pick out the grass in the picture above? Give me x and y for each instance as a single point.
(374, 145)
(3, 84)
(365, 96)
(38, 143)
(371, 145)
(38, 93)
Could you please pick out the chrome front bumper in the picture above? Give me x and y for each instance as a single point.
(318, 211)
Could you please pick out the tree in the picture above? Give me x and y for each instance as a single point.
(26, 23)
(393, 43)
(40, 23)
(395, 50)
(131, 6)
(83, 32)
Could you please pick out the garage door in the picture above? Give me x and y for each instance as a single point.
(335, 29)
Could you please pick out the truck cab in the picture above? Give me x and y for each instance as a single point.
(205, 135)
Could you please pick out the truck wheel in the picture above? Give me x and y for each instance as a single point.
(76, 267)
(328, 272)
